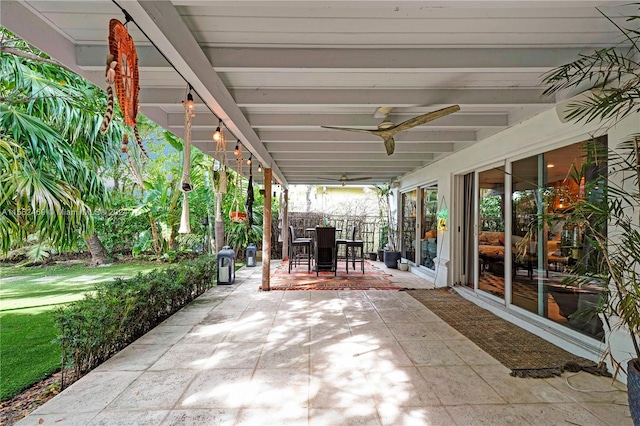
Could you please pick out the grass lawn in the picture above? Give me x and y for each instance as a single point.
(28, 298)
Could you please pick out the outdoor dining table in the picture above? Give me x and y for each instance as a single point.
(338, 230)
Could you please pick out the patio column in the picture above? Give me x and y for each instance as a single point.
(266, 233)
(285, 225)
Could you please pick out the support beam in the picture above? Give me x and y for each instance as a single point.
(230, 59)
(375, 148)
(266, 233)
(302, 121)
(341, 136)
(361, 157)
(433, 98)
(322, 164)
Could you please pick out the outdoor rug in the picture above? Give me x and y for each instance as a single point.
(526, 354)
(299, 279)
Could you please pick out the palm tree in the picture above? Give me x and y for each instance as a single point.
(50, 149)
(609, 77)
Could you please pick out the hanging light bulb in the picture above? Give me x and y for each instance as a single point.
(236, 150)
(190, 105)
(249, 160)
(217, 135)
(259, 167)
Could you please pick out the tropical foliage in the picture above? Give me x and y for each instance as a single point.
(51, 149)
(65, 186)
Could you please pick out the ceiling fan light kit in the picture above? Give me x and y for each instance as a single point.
(387, 129)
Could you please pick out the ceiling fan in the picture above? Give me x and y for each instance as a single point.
(387, 129)
(344, 179)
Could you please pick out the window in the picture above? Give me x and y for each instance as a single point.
(408, 246)
(429, 227)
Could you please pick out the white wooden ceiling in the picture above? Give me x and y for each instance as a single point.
(275, 71)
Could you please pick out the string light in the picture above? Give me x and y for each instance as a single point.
(236, 150)
(259, 167)
(217, 135)
(190, 105)
(249, 160)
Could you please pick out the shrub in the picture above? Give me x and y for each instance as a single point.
(118, 312)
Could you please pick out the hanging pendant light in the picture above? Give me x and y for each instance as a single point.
(217, 135)
(190, 105)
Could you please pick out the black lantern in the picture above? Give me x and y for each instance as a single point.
(226, 266)
(251, 255)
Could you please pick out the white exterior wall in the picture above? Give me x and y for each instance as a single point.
(541, 133)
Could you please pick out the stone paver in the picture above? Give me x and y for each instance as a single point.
(238, 356)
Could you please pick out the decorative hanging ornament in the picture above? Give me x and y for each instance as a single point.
(125, 143)
(235, 212)
(186, 185)
(110, 76)
(185, 226)
(126, 78)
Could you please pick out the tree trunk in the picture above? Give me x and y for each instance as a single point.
(99, 255)
(154, 234)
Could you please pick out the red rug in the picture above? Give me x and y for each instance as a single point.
(299, 279)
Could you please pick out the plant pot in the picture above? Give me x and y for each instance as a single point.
(238, 216)
(633, 389)
(391, 259)
(403, 266)
(373, 256)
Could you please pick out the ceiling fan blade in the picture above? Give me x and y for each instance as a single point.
(358, 178)
(425, 118)
(350, 129)
(389, 144)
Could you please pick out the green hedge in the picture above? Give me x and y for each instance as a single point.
(118, 312)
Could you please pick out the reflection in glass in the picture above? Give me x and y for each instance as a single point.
(428, 227)
(409, 225)
(491, 231)
(547, 246)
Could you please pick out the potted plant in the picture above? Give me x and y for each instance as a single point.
(391, 254)
(611, 221)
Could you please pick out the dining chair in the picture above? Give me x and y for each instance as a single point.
(325, 250)
(296, 256)
(356, 248)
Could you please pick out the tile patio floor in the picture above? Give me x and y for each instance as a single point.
(238, 356)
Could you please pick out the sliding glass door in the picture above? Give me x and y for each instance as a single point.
(491, 240)
(548, 247)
